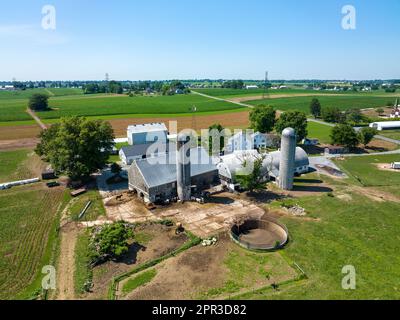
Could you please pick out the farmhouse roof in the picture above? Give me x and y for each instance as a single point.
(147, 127)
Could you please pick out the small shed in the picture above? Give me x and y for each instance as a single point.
(335, 150)
(396, 165)
(48, 175)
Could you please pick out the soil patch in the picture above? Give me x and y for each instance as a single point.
(227, 120)
(162, 240)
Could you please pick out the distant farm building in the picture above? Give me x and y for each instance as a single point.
(310, 142)
(147, 133)
(388, 125)
(396, 110)
(335, 150)
(395, 165)
(249, 87)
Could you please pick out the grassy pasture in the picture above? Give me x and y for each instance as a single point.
(392, 134)
(365, 170)
(342, 102)
(352, 230)
(319, 131)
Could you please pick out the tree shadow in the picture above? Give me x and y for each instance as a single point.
(220, 200)
(312, 189)
(264, 196)
(130, 257)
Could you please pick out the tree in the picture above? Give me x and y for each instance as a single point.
(315, 108)
(77, 146)
(380, 111)
(253, 180)
(293, 119)
(263, 118)
(38, 102)
(344, 135)
(354, 116)
(110, 241)
(332, 114)
(366, 135)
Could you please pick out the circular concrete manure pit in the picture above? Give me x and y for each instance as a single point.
(265, 234)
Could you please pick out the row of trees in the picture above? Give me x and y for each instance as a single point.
(233, 84)
(104, 87)
(345, 135)
(335, 115)
(264, 119)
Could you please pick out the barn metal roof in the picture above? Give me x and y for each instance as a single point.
(161, 169)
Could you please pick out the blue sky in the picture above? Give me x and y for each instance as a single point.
(177, 39)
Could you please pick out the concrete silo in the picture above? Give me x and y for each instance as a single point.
(287, 161)
(183, 167)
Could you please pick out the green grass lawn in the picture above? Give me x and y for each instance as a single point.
(345, 102)
(365, 170)
(139, 280)
(392, 134)
(319, 131)
(358, 231)
(83, 272)
(95, 210)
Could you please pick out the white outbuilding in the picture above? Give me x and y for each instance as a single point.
(385, 125)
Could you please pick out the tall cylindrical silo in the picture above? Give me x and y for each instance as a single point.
(183, 178)
(288, 157)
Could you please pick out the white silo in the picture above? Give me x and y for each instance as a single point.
(287, 161)
(183, 178)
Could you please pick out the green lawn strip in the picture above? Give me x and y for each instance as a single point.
(138, 281)
(392, 134)
(319, 131)
(83, 274)
(193, 241)
(95, 210)
(17, 123)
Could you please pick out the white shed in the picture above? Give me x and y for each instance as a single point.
(385, 125)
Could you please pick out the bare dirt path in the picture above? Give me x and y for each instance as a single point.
(36, 118)
(66, 264)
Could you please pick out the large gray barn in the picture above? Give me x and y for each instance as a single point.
(155, 179)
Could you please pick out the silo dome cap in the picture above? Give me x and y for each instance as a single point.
(289, 132)
(183, 137)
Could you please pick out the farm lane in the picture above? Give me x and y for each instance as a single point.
(36, 118)
(224, 100)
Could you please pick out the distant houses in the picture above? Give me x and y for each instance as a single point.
(7, 88)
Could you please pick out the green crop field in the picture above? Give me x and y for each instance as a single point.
(102, 105)
(345, 102)
(114, 105)
(28, 220)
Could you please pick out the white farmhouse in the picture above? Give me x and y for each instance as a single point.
(247, 141)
